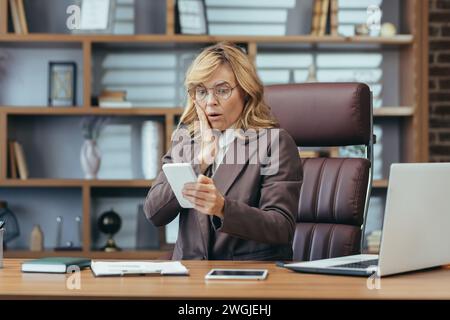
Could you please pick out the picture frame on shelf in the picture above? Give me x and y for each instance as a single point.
(191, 17)
(62, 84)
(96, 17)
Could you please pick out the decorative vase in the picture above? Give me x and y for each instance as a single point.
(90, 159)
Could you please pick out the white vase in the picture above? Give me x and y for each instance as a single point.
(152, 148)
(90, 159)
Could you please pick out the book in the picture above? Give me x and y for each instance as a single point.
(15, 16)
(122, 268)
(22, 16)
(334, 18)
(21, 162)
(316, 17)
(113, 99)
(323, 17)
(54, 264)
(113, 95)
(12, 160)
(114, 104)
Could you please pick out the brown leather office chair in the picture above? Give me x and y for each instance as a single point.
(334, 195)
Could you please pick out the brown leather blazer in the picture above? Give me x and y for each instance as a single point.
(260, 209)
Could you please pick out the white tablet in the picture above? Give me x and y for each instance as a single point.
(178, 174)
(244, 274)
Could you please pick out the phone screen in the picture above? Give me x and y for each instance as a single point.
(255, 274)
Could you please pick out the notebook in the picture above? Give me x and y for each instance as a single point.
(54, 264)
(122, 268)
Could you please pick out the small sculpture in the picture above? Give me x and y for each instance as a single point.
(69, 245)
(90, 156)
(388, 30)
(37, 239)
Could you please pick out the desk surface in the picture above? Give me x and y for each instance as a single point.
(280, 284)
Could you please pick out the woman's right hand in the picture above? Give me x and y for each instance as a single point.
(209, 145)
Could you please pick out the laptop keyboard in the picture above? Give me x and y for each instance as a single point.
(358, 265)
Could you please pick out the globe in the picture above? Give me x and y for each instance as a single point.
(110, 222)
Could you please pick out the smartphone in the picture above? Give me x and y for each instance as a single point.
(178, 174)
(244, 274)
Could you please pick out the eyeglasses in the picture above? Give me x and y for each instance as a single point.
(221, 91)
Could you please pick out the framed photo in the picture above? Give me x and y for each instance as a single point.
(191, 17)
(97, 16)
(62, 80)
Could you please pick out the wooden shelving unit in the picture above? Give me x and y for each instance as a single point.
(154, 111)
(396, 40)
(412, 112)
(129, 254)
(380, 184)
(70, 183)
(393, 112)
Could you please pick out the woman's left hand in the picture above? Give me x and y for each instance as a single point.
(205, 197)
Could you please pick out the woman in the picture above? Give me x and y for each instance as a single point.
(243, 209)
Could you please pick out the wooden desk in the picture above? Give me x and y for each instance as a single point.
(280, 284)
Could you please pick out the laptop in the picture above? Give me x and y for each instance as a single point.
(415, 228)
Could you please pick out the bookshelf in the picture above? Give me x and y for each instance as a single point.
(405, 117)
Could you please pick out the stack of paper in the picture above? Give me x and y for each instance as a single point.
(150, 79)
(275, 68)
(250, 17)
(124, 17)
(115, 143)
(121, 268)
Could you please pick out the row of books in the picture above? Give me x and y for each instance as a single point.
(17, 163)
(325, 18)
(18, 16)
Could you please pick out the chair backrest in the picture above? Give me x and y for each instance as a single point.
(334, 195)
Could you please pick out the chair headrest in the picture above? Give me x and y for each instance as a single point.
(322, 114)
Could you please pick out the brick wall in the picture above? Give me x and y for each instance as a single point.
(439, 85)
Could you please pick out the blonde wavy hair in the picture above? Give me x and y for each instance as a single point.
(256, 113)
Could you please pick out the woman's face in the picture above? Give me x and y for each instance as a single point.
(221, 106)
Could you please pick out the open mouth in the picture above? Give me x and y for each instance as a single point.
(214, 116)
